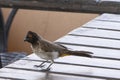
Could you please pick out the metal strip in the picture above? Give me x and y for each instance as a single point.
(8, 25)
(2, 43)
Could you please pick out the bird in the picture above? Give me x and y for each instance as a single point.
(49, 50)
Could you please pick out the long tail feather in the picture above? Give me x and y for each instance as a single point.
(80, 53)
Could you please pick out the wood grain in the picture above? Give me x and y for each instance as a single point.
(82, 61)
(96, 33)
(88, 41)
(69, 70)
(109, 17)
(38, 75)
(106, 25)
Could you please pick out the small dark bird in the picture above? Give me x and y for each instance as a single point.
(49, 50)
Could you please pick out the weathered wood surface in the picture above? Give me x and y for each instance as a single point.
(91, 6)
(100, 36)
(97, 33)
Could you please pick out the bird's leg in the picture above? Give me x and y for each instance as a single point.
(41, 65)
(48, 68)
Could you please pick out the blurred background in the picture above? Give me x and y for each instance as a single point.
(49, 24)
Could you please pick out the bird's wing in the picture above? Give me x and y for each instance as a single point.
(60, 45)
(51, 46)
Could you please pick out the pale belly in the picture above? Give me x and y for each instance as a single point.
(47, 55)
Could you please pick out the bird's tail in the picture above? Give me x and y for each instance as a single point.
(80, 53)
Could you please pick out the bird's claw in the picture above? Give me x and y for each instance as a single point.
(41, 66)
(47, 69)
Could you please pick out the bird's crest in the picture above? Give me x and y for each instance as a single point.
(31, 37)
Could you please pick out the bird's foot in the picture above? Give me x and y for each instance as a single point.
(47, 69)
(41, 66)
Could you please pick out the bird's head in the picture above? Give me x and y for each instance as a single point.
(31, 37)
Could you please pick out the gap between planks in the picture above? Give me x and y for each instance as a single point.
(94, 36)
(57, 71)
(42, 75)
(87, 65)
(92, 27)
(85, 45)
(64, 73)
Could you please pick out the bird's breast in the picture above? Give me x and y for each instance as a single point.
(45, 55)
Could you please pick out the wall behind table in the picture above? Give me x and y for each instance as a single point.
(51, 25)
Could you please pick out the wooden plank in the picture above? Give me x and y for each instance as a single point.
(82, 61)
(91, 42)
(37, 75)
(96, 33)
(70, 70)
(103, 25)
(18, 74)
(109, 17)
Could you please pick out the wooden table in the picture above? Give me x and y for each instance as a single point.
(101, 36)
